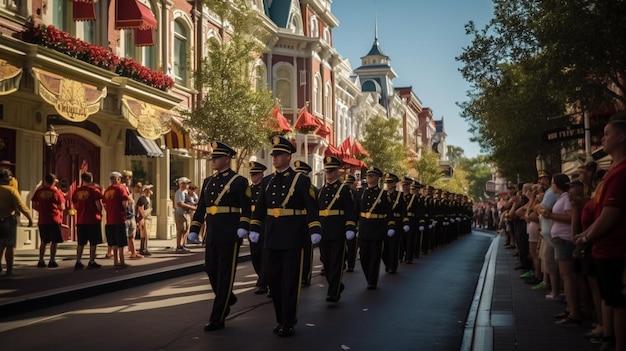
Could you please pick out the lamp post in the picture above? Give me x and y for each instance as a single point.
(51, 137)
(540, 163)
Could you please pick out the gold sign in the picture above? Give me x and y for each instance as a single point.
(10, 77)
(150, 121)
(73, 100)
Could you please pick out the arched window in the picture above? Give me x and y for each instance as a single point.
(284, 78)
(327, 35)
(328, 103)
(315, 29)
(317, 94)
(295, 20)
(181, 52)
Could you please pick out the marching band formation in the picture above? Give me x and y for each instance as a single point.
(284, 216)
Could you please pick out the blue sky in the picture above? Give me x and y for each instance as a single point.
(422, 38)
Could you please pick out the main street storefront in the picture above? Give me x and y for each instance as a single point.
(62, 115)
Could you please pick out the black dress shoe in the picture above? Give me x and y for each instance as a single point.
(305, 284)
(277, 328)
(260, 291)
(233, 299)
(331, 298)
(285, 332)
(350, 269)
(341, 287)
(371, 287)
(409, 262)
(211, 326)
(323, 272)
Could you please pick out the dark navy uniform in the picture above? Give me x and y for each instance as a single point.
(336, 210)
(391, 245)
(375, 219)
(287, 210)
(351, 245)
(256, 249)
(224, 205)
(307, 266)
(407, 247)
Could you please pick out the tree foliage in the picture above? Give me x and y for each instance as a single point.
(534, 60)
(232, 110)
(428, 170)
(383, 141)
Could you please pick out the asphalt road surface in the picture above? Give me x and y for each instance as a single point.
(423, 307)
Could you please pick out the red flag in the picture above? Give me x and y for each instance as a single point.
(345, 147)
(357, 149)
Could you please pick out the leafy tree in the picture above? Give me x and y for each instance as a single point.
(533, 60)
(232, 110)
(383, 141)
(428, 170)
(478, 173)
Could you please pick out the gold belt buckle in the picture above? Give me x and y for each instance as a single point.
(252, 208)
(325, 212)
(368, 215)
(212, 210)
(276, 212)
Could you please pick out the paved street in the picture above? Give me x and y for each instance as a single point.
(461, 296)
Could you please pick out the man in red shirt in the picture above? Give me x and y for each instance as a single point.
(88, 202)
(115, 200)
(50, 203)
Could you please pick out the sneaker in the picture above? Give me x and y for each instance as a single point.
(181, 249)
(145, 252)
(540, 286)
(551, 297)
(52, 264)
(41, 264)
(528, 274)
(79, 266)
(93, 265)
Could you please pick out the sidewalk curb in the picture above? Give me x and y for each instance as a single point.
(33, 302)
(478, 333)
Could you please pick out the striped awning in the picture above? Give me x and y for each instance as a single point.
(177, 137)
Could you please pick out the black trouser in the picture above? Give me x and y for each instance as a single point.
(333, 256)
(521, 240)
(370, 252)
(426, 238)
(258, 257)
(284, 271)
(391, 251)
(220, 264)
(409, 244)
(351, 252)
(307, 264)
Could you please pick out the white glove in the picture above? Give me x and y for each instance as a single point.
(242, 233)
(458, 219)
(254, 237)
(451, 220)
(430, 226)
(390, 232)
(193, 237)
(316, 238)
(406, 228)
(350, 234)
(421, 228)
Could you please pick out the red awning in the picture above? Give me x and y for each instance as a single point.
(306, 121)
(282, 125)
(332, 151)
(323, 131)
(357, 149)
(177, 138)
(143, 37)
(131, 14)
(83, 11)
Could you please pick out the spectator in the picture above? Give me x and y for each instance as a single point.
(131, 224)
(607, 234)
(4, 164)
(181, 213)
(88, 202)
(143, 213)
(10, 203)
(50, 203)
(192, 199)
(561, 216)
(550, 268)
(115, 201)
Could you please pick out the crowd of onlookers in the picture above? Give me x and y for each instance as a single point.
(569, 234)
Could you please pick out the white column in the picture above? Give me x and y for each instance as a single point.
(165, 215)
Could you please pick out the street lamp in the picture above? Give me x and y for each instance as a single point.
(540, 163)
(51, 137)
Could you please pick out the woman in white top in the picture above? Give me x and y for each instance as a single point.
(561, 232)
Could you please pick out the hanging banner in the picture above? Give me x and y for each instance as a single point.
(150, 121)
(73, 100)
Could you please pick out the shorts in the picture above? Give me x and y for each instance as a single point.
(89, 232)
(8, 231)
(563, 249)
(182, 222)
(116, 234)
(533, 232)
(609, 272)
(549, 263)
(50, 233)
(131, 227)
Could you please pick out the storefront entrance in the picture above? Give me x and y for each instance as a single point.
(72, 156)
